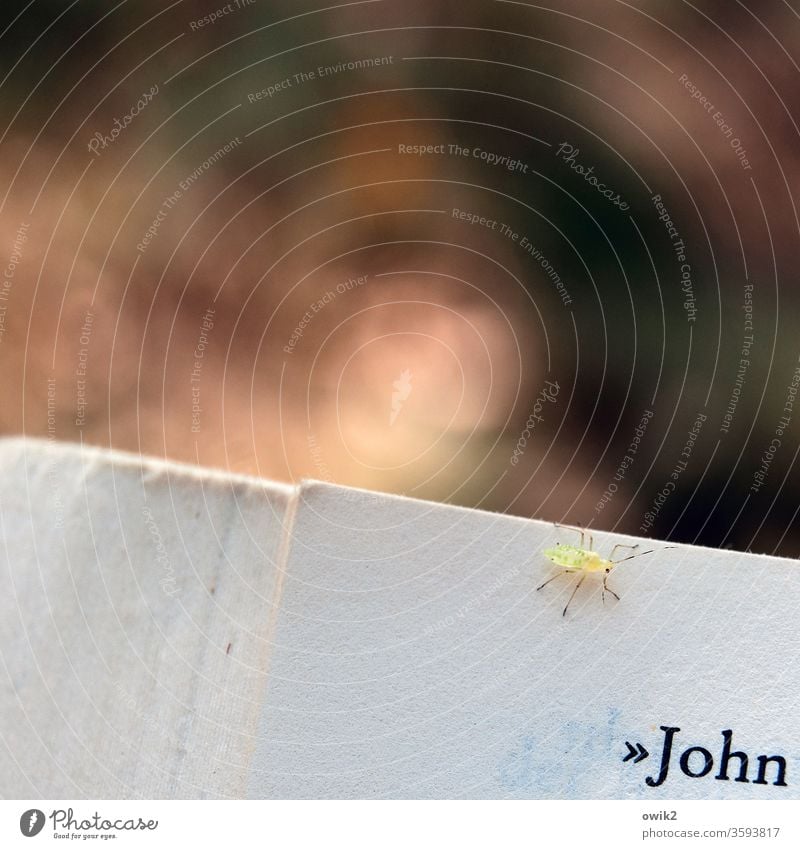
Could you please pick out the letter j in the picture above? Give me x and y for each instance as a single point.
(666, 754)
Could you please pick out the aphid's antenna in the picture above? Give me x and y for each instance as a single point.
(642, 554)
(622, 545)
(577, 587)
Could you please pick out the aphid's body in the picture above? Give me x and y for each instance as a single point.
(573, 559)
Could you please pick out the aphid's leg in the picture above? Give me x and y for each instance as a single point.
(579, 526)
(607, 589)
(621, 545)
(578, 530)
(552, 579)
(642, 554)
(577, 587)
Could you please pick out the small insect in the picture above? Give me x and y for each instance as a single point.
(585, 560)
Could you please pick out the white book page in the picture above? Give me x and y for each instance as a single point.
(138, 598)
(415, 658)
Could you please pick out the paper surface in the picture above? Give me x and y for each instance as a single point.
(414, 657)
(363, 645)
(125, 582)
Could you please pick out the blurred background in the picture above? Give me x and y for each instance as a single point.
(536, 259)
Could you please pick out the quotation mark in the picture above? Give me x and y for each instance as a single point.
(641, 754)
